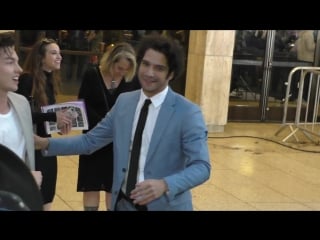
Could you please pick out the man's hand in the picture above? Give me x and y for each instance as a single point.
(148, 191)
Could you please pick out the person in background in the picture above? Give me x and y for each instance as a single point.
(305, 46)
(101, 86)
(15, 114)
(94, 38)
(39, 83)
(305, 49)
(174, 156)
(64, 42)
(27, 39)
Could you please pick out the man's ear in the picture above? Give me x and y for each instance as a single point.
(170, 77)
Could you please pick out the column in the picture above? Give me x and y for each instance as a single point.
(209, 74)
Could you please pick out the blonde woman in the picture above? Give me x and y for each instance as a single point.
(101, 86)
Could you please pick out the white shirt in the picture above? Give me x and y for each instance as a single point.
(154, 108)
(11, 134)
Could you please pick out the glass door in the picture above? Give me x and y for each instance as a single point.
(261, 65)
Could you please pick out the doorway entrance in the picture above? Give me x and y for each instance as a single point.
(262, 62)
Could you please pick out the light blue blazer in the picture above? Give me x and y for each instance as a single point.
(178, 151)
(22, 108)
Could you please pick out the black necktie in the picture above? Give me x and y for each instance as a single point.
(136, 146)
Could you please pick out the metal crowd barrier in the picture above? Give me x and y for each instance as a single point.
(307, 118)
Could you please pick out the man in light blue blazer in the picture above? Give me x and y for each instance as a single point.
(174, 154)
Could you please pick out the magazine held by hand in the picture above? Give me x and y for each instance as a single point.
(77, 111)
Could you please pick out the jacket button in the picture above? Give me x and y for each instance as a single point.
(124, 170)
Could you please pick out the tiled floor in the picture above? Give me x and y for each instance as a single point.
(251, 170)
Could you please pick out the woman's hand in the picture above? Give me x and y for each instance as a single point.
(64, 121)
(40, 143)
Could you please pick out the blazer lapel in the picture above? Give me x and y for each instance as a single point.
(124, 125)
(20, 111)
(24, 119)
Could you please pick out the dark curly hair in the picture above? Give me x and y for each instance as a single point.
(171, 49)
